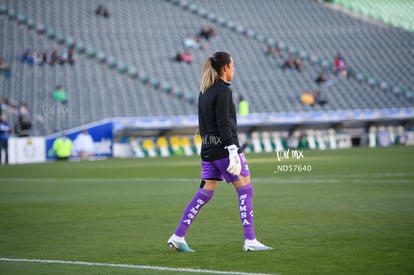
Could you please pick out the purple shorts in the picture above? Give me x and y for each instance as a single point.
(217, 169)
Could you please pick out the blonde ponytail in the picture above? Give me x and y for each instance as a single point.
(209, 76)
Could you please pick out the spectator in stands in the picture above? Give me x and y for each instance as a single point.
(59, 94)
(27, 57)
(47, 58)
(23, 127)
(298, 64)
(307, 98)
(4, 67)
(289, 64)
(340, 66)
(62, 146)
(207, 32)
(4, 107)
(57, 58)
(64, 58)
(5, 131)
(323, 80)
(41, 28)
(102, 11)
(83, 145)
(186, 57)
(24, 109)
(243, 106)
(13, 110)
(194, 43)
(318, 98)
(37, 57)
(273, 51)
(71, 56)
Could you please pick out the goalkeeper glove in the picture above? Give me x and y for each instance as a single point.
(235, 164)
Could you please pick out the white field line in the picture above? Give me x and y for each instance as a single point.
(158, 268)
(294, 178)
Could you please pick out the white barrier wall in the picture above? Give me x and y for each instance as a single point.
(27, 150)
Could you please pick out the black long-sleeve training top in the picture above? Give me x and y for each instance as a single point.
(217, 121)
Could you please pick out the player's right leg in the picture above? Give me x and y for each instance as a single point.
(202, 197)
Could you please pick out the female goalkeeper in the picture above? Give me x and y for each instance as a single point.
(220, 155)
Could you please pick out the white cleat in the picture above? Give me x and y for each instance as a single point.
(179, 244)
(255, 245)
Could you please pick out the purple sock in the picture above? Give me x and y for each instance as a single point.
(202, 197)
(245, 195)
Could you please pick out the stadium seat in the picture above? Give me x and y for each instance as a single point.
(256, 142)
(372, 82)
(111, 61)
(201, 12)
(197, 143)
(190, 98)
(332, 139)
(304, 55)
(90, 52)
(397, 90)
(250, 33)
(175, 144)
(101, 58)
(178, 93)
(186, 145)
(241, 30)
(149, 147)
(320, 140)
(12, 14)
(21, 19)
(162, 145)
(166, 87)
(261, 38)
(80, 47)
(267, 142)
(361, 77)
(154, 82)
(50, 34)
(314, 60)
(136, 148)
(184, 4)
(277, 141)
(310, 136)
(132, 72)
(40, 28)
(193, 8)
(70, 42)
(60, 38)
(3, 9)
(292, 51)
(144, 78)
(385, 86)
(121, 67)
(282, 46)
(214, 18)
(409, 95)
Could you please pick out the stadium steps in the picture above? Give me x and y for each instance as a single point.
(87, 104)
(313, 12)
(144, 41)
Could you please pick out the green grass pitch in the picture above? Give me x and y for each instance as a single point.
(345, 212)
